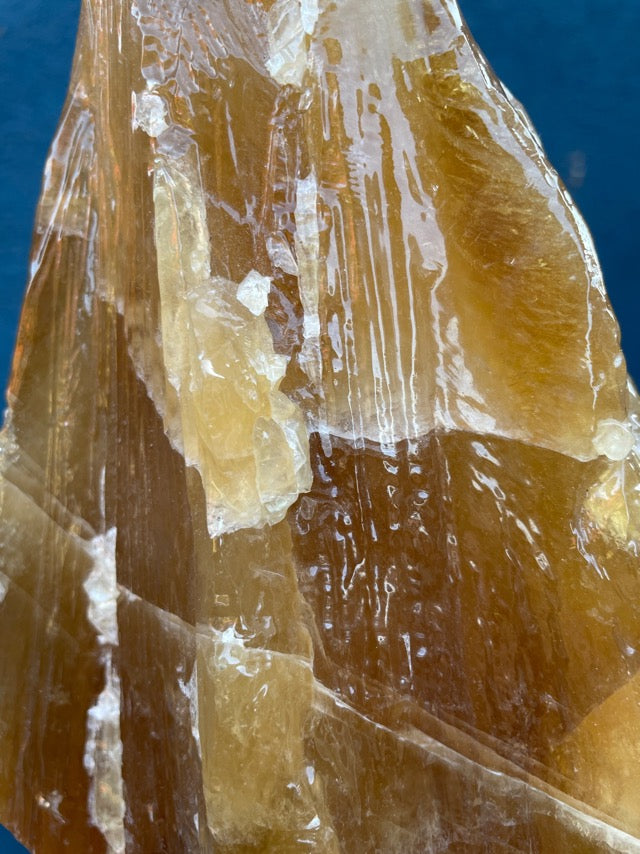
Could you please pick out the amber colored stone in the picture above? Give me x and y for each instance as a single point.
(319, 480)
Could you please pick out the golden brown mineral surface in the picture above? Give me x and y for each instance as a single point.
(320, 481)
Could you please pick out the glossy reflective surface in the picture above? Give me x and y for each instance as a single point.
(320, 481)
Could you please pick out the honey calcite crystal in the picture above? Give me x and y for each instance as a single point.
(320, 478)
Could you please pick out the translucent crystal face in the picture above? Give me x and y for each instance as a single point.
(319, 483)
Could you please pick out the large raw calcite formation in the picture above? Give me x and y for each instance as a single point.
(320, 479)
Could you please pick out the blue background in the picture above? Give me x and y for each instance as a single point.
(574, 64)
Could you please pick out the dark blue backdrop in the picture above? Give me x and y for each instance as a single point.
(573, 63)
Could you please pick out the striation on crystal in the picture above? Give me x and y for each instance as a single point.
(319, 478)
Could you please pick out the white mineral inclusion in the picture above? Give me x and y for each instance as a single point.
(102, 589)
(281, 255)
(253, 292)
(613, 439)
(149, 113)
(190, 691)
(289, 25)
(309, 12)
(103, 747)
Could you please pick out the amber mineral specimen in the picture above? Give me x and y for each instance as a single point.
(320, 480)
